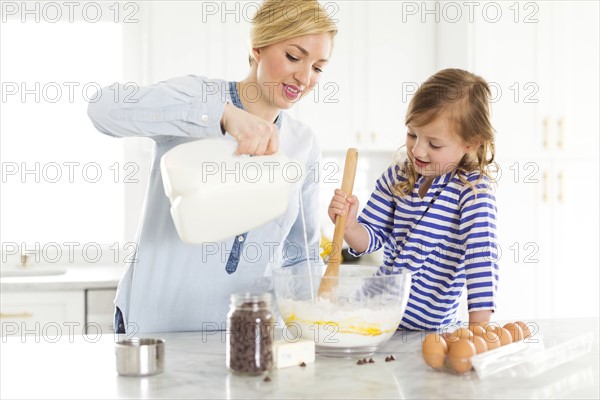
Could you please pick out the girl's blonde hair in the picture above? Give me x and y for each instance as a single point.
(278, 20)
(463, 98)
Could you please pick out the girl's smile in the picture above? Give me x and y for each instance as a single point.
(420, 164)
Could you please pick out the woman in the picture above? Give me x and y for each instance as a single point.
(173, 286)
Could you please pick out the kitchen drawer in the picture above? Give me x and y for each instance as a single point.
(42, 313)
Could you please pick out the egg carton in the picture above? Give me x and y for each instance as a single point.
(530, 357)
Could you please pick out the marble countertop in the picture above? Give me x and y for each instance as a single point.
(84, 367)
(74, 278)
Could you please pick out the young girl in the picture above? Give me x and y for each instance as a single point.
(434, 212)
(174, 286)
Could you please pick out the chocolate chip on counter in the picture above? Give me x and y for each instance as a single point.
(303, 364)
(360, 362)
(267, 379)
(365, 361)
(387, 359)
(371, 361)
(392, 358)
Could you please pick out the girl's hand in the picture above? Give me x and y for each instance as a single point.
(343, 205)
(254, 135)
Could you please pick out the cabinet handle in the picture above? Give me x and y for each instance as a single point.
(15, 315)
(545, 186)
(561, 192)
(359, 137)
(546, 132)
(561, 132)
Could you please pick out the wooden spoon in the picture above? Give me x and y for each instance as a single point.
(333, 267)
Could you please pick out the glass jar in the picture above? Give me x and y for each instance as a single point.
(250, 333)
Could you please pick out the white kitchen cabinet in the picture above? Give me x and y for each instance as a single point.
(399, 57)
(504, 54)
(377, 62)
(519, 253)
(567, 67)
(548, 235)
(571, 198)
(542, 65)
(42, 313)
(57, 312)
(197, 37)
(327, 109)
(175, 38)
(543, 72)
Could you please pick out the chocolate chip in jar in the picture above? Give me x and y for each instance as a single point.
(250, 333)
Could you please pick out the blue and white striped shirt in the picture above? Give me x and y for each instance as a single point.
(447, 240)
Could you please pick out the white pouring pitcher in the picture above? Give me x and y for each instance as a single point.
(216, 194)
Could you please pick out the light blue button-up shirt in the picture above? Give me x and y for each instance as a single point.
(174, 286)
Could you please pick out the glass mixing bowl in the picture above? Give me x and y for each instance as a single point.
(360, 314)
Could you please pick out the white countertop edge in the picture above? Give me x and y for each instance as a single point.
(75, 278)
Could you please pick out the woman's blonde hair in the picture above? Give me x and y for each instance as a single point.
(278, 20)
(463, 98)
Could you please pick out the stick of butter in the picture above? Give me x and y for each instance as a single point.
(292, 354)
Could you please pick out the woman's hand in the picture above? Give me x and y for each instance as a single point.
(254, 135)
(343, 205)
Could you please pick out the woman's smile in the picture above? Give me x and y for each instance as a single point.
(291, 92)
